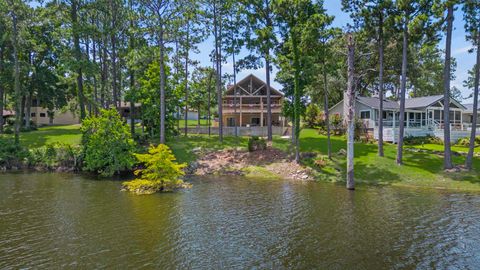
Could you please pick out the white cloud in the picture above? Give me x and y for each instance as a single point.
(462, 50)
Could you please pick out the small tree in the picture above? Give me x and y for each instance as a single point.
(161, 172)
(107, 144)
(311, 115)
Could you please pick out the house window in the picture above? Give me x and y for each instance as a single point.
(42, 115)
(32, 114)
(255, 121)
(365, 115)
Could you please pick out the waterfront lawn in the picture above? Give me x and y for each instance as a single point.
(69, 134)
(419, 169)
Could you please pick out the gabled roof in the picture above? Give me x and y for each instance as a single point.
(374, 102)
(421, 102)
(470, 107)
(8, 113)
(251, 85)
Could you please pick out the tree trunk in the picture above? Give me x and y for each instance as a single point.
(132, 75)
(297, 95)
(447, 160)
(18, 97)
(235, 92)
(380, 87)
(469, 159)
(218, 60)
(2, 91)
(269, 99)
(28, 109)
(104, 78)
(209, 123)
(350, 103)
(162, 84)
(186, 80)
(114, 71)
(78, 58)
(403, 93)
(325, 108)
(95, 87)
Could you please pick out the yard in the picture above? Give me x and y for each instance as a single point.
(420, 169)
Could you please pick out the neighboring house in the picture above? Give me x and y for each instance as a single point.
(250, 108)
(468, 114)
(40, 115)
(423, 116)
(191, 115)
(124, 111)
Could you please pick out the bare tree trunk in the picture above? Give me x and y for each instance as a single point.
(218, 59)
(350, 103)
(403, 93)
(327, 112)
(186, 80)
(28, 109)
(209, 105)
(297, 96)
(18, 99)
(235, 90)
(95, 86)
(162, 84)
(78, 57)
(447, 160)
(269, 99)
(380, 87)
(469, 159)
(2, 90)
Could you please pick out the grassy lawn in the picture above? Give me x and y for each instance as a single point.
(51, 134)
(194, 123)
(438, 147)
(420, 169)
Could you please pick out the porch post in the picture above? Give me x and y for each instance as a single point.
(408, 119)
(261, 111)
(393, 122)
(240, 111)
(461, 120)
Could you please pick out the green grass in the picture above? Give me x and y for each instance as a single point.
(194, 123)
(419, 169)
(51, 134)
(439, 147)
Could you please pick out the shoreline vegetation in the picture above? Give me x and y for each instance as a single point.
(206, 156)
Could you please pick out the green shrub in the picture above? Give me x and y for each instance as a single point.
(161, 172)
(10, 153)
(56, 155)
(311, 115)
(108, 147)
(255, 143)
(466, 141)
(8, 130)
(410, 140)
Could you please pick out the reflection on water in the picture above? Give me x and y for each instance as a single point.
(56, 220)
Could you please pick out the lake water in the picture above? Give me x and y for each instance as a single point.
(65, 221)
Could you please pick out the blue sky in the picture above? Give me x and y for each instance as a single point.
(460, 47)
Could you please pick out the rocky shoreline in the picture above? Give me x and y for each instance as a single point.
(240, 162)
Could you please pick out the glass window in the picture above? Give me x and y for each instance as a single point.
(42, 115)
(365, 115)
(32, 114)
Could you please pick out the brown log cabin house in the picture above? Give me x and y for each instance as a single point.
(250, 109)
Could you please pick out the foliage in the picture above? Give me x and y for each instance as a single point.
(256, 143)
(422, 140)
(107, 144)
(161, 172)
(11, 154)
(312, 115)
(466, 141)
(55, 155)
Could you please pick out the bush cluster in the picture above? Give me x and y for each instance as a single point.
(161, 171)
(107, 144)
(56, 155)
(410, 140)
(256, 143)
(466, 141)
(11, 154)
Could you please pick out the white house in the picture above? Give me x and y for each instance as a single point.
(423, 116)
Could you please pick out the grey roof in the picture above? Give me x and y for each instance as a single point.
(421, 102)
(470, 107)
(374, 102)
